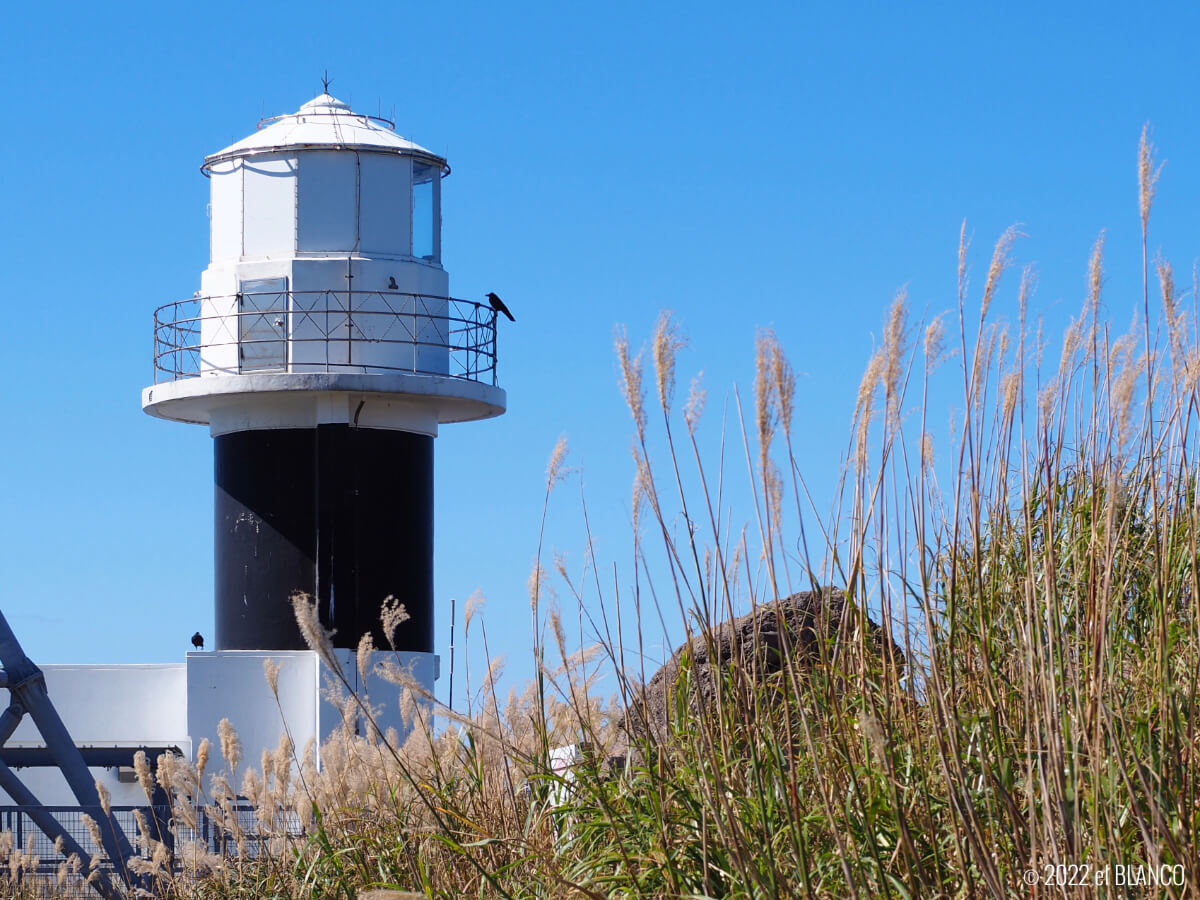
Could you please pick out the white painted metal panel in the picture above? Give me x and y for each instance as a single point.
(262, 324)
(219, 334)
(385, 185)
(108, 706)
(328, 201)
(385, 696)
(230, 684)
(269, 198)
(319, 323)
(115, 704)
(225, 212)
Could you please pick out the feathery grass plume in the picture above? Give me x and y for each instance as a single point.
(315, 635)
(865, 406)
(231, 747)
(185, 813)
(560, 566)
(1070, 347)
(141, 767)
(1010, 390)
(1000, 262)
(366, 646)
(694, 408)
(631, 371)
(143, 830)
(927, 451)
(160, 859)
(1124, 386)
(637, 497)
(105, 797)
(165, 772)
(785, 385)
(766, 406)
(266, 764)
(536, 584)
(559, 637)
(555, 471)
(1096, 276)
(935, 337)
(894, 350)
(1147, 175)
(963, 246)
(202, 753)
(1175, 319)
(666, 346)
(392, 614)
(251, 789)
(475, 601)
(93, 831)
(282, 765)
(494, 671)
(271, 672)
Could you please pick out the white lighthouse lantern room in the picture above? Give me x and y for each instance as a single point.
(323, 351)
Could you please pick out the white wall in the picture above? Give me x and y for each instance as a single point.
(108, 706)
(269, 213)
(180, 704)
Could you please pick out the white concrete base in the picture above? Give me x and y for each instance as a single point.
(181, 704)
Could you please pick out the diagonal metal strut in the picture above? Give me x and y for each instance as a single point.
(27, 688)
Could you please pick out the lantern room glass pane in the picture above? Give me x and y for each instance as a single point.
(424, 212)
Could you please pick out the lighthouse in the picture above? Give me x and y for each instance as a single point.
(323, 351)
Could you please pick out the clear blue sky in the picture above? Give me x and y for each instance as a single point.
(762, 165)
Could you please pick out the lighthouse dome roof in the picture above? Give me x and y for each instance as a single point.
(324, 123)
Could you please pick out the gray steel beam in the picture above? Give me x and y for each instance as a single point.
(27, 686)
(93, 757)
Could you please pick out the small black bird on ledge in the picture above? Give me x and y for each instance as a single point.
(198, 641)
(498, 306)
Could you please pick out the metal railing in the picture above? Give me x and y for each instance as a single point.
(372, 332)
(25, 832)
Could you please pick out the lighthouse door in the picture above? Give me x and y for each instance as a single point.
(262, 325)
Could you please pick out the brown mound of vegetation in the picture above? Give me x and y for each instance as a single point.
(760, 644)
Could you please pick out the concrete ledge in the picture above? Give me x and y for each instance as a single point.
(194, 399)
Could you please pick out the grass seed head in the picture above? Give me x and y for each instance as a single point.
(1000, 262)
(304, 606)
(1147, 176)
(141, 768)
(666, 346)
(555, 470)
(202, 753)
(632, 388)
(694, 408)
(366, 646)
(231, 747)
(393, 614)
(271, 671)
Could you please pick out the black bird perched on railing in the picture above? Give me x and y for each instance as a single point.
(498, 306)
(198, 641)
